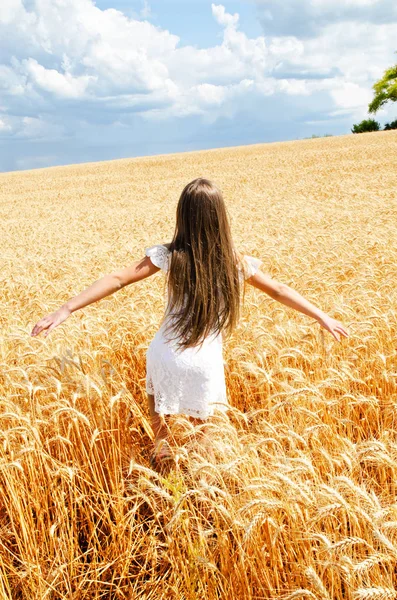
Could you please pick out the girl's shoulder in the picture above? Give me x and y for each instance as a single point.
(247, 265)
(159, 255)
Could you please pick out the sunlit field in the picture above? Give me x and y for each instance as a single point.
(299, 499)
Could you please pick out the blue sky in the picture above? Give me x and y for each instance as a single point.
(191, 20)
(83, 81)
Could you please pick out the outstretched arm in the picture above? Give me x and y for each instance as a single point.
(290, 297)
(99, 289)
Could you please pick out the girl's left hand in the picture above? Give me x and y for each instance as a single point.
(333, 326)
(51, 321)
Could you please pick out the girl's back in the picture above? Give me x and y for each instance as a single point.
(205, 277)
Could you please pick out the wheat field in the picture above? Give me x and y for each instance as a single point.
(299, 499)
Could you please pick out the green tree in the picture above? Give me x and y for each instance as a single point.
(385, 90)
(392, 125)
(366, 125)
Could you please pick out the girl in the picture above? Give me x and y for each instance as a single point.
(205, 276)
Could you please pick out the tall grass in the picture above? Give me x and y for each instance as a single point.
(299, 499)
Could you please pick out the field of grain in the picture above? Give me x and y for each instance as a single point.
(299, 500)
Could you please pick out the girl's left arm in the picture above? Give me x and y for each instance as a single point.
(99, 289)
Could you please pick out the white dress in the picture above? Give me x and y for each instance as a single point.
(190, 380)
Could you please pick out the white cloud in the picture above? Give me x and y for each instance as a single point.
(223, 18)
(10, 11)
(63, 85)
(4, 126)
(211, 94)
(350, 95)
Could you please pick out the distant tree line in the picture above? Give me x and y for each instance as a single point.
(385, 90)
(372, 125)
(314, 135)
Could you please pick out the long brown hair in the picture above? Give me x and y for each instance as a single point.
(203, 280)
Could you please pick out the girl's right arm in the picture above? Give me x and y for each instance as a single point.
(290, 297)
(99, 289)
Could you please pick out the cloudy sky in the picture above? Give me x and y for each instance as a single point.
(88, 80)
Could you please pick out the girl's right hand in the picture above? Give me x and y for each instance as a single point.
(333, 326)
(51, 321)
